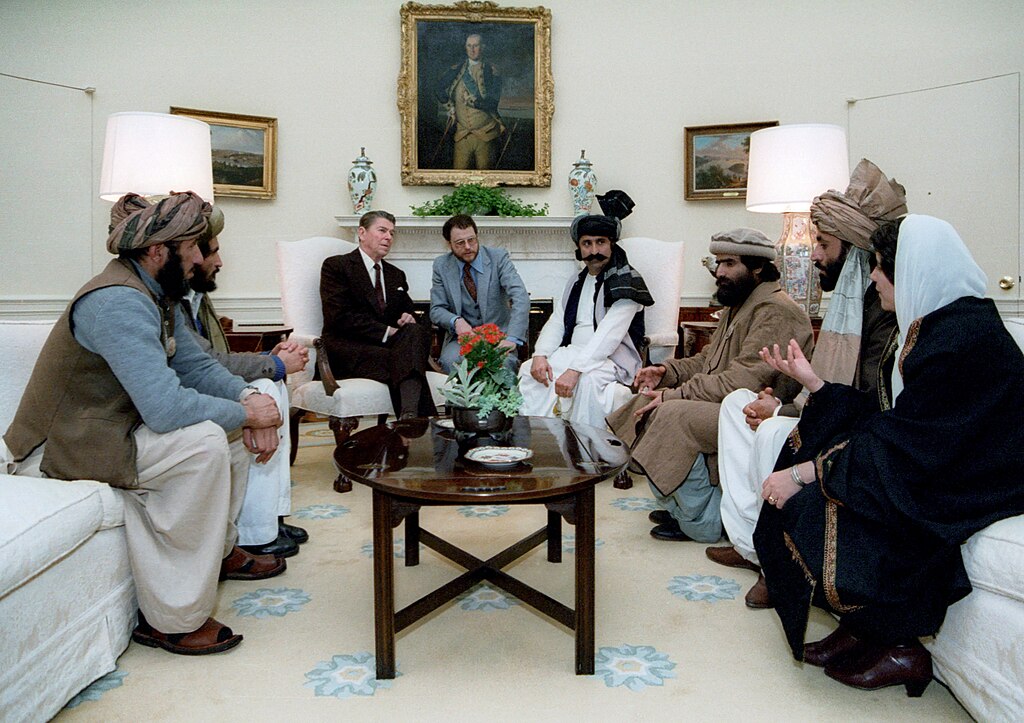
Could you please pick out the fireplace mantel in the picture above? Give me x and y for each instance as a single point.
(524, 237)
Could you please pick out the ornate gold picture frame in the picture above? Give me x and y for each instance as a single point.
(475, 94)
(244, 152)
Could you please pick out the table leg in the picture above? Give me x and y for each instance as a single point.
(585, 582)
(554, 536)
(412, 539)
(384, 585)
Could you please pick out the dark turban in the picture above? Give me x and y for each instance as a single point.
(616, 206)
(135, 223)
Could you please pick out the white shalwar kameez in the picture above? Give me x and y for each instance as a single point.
(589, 352)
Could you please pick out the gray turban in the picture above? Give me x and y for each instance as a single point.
(743, 242)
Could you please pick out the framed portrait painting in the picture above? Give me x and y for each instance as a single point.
(475, 94)
(716, 160)
(244, 152)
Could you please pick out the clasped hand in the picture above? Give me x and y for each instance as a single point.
(761, 408)
(259, 433)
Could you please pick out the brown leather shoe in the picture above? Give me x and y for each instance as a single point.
(210, 637)
(240, 565)
(839, 644)
(757, 597)
(730, 558)
(878, 667)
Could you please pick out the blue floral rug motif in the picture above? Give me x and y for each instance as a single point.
(271, 602)
(399, 545)
(321, 512)
(113, 679)
(483, 510)
(346, 676)
(569, 543)
(633, 666)
(703, 588)
(635, 504)
(485, 598)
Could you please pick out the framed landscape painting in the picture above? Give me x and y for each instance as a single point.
(716, 160)
(244, 152)
(475, 94)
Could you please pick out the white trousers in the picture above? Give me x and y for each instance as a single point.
(178, 520)
(745, 459)
(269, 491)
(591, 400)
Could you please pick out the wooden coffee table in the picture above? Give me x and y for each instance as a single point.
(414, 463)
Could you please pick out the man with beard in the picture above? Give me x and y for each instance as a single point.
(854, 333)
(591, 344)
(261, 526)
(473, 285)
(121, 393)
(673, 422)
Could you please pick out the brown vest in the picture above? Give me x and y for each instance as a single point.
(74, 403)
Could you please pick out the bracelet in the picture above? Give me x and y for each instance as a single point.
(794, 474)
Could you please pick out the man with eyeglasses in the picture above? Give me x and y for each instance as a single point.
(474, 285)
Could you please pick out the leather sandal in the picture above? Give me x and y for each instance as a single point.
(210, 637)
(240, 565)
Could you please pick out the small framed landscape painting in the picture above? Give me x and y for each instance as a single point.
(244, 152)
(716, 160)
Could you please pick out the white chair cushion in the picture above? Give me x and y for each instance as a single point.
(355, 397)
(44, 520)
(994, 558)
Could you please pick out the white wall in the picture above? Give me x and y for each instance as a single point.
(628, 78)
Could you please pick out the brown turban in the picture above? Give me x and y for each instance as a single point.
(870, 200)
(135, 223)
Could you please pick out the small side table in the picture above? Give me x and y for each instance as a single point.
(251, 337)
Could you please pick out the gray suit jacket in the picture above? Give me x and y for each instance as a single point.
(500, 292)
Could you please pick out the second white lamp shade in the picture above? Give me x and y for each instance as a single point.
(155, 154)
(791, 164)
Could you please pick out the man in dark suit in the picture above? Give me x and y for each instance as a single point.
(474, 285)
(369, 328)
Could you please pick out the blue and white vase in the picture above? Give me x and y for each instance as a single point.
(362, 183)
(582, 185)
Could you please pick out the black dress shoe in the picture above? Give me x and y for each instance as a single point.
(880, 667)
(670, 531)
(661, 517)
(292, 532)
(281, 547)
(841, 643)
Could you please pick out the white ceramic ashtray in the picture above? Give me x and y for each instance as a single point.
(499, 457)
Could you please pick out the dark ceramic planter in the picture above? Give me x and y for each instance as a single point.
(468, 420)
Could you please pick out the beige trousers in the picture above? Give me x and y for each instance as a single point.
(180, 520)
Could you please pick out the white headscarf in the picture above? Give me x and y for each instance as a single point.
(933, 269)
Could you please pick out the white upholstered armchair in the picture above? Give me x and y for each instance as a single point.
(342, 401)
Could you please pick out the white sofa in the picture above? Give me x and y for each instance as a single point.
(67, 598)
(979, 652)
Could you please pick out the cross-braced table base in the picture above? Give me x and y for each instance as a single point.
(389, 511)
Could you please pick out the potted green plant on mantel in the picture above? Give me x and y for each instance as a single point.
(476, 200)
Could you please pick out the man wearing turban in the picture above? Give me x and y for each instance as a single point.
(591, 343)
(854, 333)
(121, 393)
(672, 424)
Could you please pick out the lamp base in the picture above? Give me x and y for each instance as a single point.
(799, 277)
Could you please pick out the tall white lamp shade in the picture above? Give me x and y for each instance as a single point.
(789, 165)
(155, 154)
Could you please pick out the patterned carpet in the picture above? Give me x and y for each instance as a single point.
(674, 638)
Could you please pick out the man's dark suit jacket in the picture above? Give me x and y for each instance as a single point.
(354, 329)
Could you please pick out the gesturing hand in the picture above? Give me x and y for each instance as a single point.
(795, 365)
(540, 370)
(648, 377)
(656, 397)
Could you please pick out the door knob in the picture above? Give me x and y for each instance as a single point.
(1006, 282)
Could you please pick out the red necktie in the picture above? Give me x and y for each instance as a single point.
(378, 287)
(467, 279)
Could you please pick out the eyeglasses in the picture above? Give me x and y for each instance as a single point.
(463, 243)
